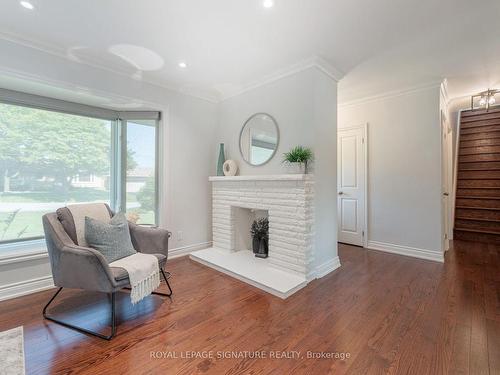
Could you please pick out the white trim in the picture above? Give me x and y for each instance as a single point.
(391, 94)
(13, 252)
(326, 267)
(23, 257)
(444, 92)
(312, 62)
(22, 288)
(414, 252)
(455, 173)
(98, 64)
(186, 250)
(364, 126)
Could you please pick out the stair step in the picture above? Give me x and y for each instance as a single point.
(478, 203)
(479, 208)
(477, 192)
(478, 219)
(475, 197)
(479, 150)
(479, 166)
(479, 136)
(475, 214)
(478, 225)
(476, 236)
(478, 175)
(475, 112)
(480, 142)
(475, 116)
(480, 129)
(478, 184)
(478, 230)
(478, 123)
(478, 158)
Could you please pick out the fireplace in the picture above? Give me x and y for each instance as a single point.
(288, 203)
(243, 219)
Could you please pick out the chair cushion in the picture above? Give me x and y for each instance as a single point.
(111, 239)
(121, 274)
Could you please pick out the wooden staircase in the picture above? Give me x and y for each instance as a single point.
(477, 213)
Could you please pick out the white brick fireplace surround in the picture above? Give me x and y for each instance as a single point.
(288, 201)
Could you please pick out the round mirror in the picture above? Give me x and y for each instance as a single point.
(259, 139)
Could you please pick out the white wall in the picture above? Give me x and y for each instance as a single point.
(404, 171)
(187, 140)
(304, 106)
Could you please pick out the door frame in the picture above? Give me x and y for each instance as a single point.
(364, 127)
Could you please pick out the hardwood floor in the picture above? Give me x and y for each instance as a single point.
(391, 314)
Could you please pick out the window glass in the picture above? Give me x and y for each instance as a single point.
(48, 160)
(141, 171)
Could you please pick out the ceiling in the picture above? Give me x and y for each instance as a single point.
(229, 45)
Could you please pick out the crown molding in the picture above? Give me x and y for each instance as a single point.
(444, 91)
(100, 64)
(312, 62)
(392, 94)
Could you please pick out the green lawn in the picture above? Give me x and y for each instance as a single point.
(74, 195)
(29, 223)
(25, 225)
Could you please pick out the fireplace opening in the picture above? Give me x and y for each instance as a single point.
(242, 224)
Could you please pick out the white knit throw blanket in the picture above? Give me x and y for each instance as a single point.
(96, 211)
(143, 272)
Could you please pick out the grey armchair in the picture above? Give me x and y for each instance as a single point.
(79, 267)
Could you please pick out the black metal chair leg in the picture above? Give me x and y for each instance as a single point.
(169, 294)
(80, 329)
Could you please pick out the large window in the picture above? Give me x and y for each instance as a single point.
(49, 159)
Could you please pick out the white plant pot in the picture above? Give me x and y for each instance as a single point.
(296, 168)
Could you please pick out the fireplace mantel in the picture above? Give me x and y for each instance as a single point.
(264, 177)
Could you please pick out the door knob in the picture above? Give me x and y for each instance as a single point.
(341, 192)
(446, 194)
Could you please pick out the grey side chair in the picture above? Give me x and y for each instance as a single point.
(79, 267)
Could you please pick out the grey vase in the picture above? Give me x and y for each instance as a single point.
(221, 160)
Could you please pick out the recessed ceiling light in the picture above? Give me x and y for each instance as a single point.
(182, 65)
(268, 3)
(27, 5)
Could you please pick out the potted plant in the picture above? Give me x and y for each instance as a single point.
(298, 159)
(260, 237)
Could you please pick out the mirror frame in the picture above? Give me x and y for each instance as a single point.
(277, 138)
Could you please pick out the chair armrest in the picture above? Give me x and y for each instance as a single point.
(149, 240)
(84, 268)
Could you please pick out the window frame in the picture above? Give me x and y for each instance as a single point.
(118, 149)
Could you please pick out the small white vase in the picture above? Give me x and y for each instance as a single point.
(296, 168)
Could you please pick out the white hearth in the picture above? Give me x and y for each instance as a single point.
(288, 203)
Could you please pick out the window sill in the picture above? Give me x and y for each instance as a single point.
(22, 251)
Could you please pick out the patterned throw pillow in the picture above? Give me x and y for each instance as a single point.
(111, 239)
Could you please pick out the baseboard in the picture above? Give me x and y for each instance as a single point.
(186, 250)
(406, 250)
(327, 267)
(25, 287)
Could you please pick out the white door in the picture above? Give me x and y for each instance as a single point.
(351, 185)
